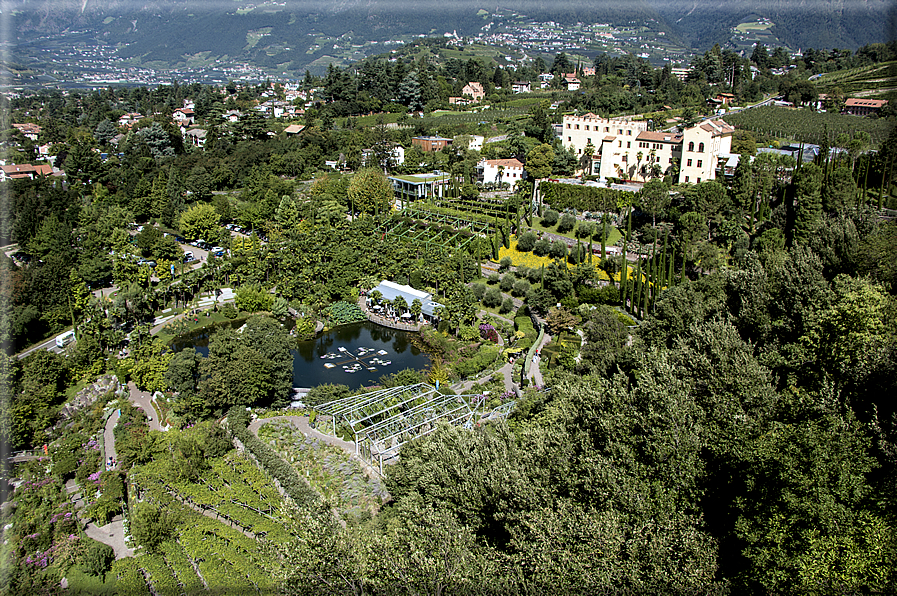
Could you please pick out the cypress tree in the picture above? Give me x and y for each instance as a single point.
(637, 294)
(624, 274)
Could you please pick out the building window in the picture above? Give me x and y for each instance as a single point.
(588, 141)
(568, 125)
(699, 180)
(628, 144)
(691, 146)
(619, 143)
(628, 133)
(569, 139)
(689, 163)
(700, 162)
(619, 131)
(577, 128)
(701, 148)
(686, 178)
(607, 129)
(587, 127)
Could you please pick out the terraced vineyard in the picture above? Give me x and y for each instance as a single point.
(234, 490)
(865, 78)
(231, 511)
(206, 557)
(330, 471)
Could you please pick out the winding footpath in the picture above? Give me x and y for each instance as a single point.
(113, 533)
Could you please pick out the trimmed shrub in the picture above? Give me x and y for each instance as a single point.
(566, 223)
(507, 306)
(507, 282)
(526, 242)
(542, 247)
(521, 287)
(492, 297)
(549, 218)
(478, 291)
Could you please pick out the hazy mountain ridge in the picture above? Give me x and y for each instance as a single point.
(820, 24)
(290, 35)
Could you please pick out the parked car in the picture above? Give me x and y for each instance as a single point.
(188, 256)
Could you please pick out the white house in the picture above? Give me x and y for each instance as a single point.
(521, 87)
(571, 83)
(182, 115)
(500, 171)
(396, 157)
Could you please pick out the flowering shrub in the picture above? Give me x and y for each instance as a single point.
(488, 332)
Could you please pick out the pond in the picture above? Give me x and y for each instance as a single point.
(356, 355)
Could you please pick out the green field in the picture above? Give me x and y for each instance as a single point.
(753, 26)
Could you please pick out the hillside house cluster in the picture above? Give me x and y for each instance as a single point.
(624, 148)
(29, 131)
(19, 171)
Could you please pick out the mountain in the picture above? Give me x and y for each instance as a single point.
(292, 35)
(819, 24)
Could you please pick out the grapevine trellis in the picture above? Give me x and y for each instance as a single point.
(383, 421)
(496, 209)
(806, 125)
(459, 221)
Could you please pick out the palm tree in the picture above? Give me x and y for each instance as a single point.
(399, 304)
(416, 308)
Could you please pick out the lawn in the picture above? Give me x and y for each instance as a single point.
(612, 238)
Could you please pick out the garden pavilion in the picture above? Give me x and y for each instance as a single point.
(391, 290)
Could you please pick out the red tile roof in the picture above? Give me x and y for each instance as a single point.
(865, 103)
(659, 137)
(508, 163)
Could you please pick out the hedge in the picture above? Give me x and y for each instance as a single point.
(525, 324)
(296, 488)
(582, 198)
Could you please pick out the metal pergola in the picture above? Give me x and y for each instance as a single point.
(384, 420)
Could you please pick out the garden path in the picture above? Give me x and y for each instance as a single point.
(109, 435)
(507, 370)
(143, 400)
(112, 534)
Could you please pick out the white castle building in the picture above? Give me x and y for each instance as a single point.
(624, 148)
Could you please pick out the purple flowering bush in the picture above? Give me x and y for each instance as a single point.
(488, 332)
